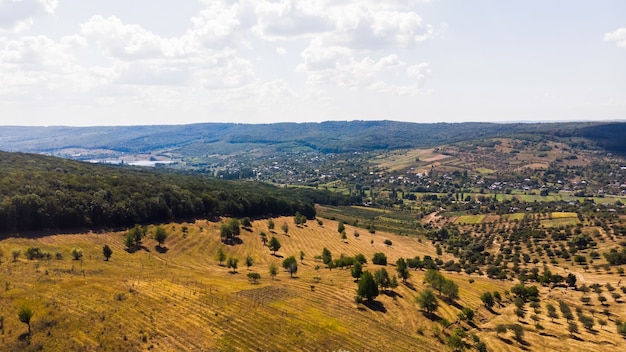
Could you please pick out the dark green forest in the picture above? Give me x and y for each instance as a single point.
(325, 137)
(39, 192)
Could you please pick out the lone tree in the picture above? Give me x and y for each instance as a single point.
(291, 265)
(107, 252)
(221, 255)
(341, 227)
(274, 244)
(232, 263)
(249, 261)
(254, 277)
(25, 314)
(273, 270)
(427, 301)
(367, 286)
(487, 299)
(160, 235)
(285, 228)
(270, 224)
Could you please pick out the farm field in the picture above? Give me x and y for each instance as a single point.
(179, 297)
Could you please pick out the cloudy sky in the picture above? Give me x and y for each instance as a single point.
(77, 62)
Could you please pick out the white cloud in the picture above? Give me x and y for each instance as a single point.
(618, 36)
(291, 19)
(122, 40)
(17, 15)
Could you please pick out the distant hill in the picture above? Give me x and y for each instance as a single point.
(325, 137)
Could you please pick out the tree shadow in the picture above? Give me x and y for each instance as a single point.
(375, 306)
(160, 249)
(431, 316)
(492, 311)
(410, 286)
(576, 338)
(277, 255)
(505, 340)
(392, 294)
(23, 337)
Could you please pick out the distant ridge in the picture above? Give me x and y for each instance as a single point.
(325, 137)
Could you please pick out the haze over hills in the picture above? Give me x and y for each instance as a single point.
(332, 136)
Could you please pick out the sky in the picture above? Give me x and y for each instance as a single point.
(151, 62)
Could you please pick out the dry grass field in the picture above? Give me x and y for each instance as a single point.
(182, 299)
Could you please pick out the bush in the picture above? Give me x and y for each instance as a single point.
(379, 259)
(77, 253)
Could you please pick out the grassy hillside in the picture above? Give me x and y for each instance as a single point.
(181, 298)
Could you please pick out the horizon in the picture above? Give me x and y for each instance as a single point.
(327, 121)
(255, 62)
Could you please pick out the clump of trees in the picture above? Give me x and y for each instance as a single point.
(230, 231)
(448, 288)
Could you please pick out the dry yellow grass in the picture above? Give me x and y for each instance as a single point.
(183, 300)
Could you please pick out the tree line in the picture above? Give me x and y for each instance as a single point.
(39, 192)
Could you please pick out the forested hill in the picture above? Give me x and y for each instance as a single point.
(337, 136)
(39, 192)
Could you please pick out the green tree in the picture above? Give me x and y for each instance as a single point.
(249, 261)
(572, 327)
(245, 222)
(455, 342)
(552, 314)
(450, 289)
(367, 287)
(466, 313)
(129, 240)
(403, 270)
(501, 329)
(270, 224)
(379, 259)
(341, 227)
(427, 301)
(291, 265)
(254, 277)
(25, 314)
(221, 255)
(357, 270)
(520, 313)
(381, 277)
(301, 256)
(232, 263)
(299, 219)
(274, 244)
(285, 228)
(107, 252)
(487, 299)
(273, 270)
(77, 253)
(327, 257)
(160, 235)
(263, 236)
(393, 283)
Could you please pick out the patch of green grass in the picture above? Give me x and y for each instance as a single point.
(470, 219)
(514, 216)
(485, 171)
